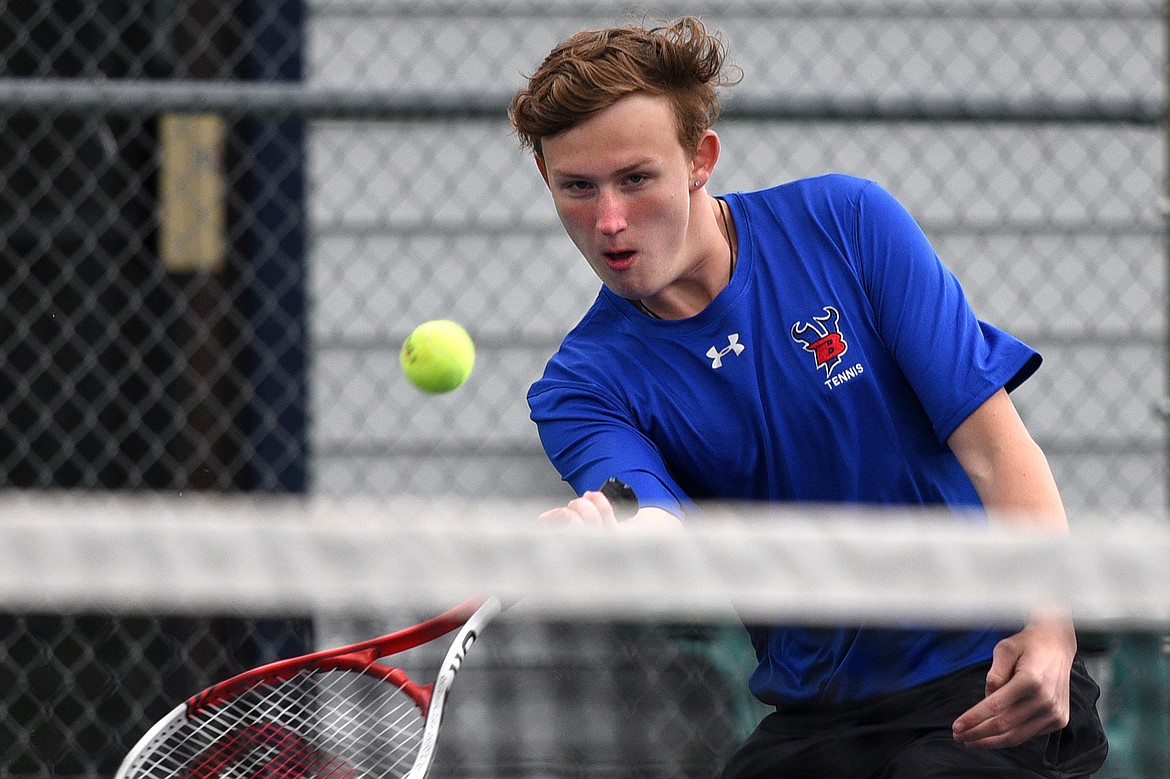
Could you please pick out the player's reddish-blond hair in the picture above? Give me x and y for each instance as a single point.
(594, 69)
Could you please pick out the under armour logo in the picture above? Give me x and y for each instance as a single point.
(733, 347)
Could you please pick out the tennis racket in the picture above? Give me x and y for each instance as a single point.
(336, 714)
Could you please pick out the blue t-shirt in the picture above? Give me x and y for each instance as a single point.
(832, 369)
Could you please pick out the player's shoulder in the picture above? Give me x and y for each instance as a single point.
(831, 201)
(809, 190)
(590, 339)
(590, 362)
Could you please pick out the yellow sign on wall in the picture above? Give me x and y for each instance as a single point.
(192, 188)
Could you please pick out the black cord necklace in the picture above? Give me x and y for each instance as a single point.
(723, 209)
(638, 304)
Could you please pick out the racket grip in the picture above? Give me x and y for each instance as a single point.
(621, 496)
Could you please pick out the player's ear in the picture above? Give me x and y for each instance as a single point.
(705, 156)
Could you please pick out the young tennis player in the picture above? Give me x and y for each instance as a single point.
(800, 343)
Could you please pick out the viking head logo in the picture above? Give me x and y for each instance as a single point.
(822, 337)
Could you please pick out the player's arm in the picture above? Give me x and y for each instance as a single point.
(1027, 687)
(594, 509)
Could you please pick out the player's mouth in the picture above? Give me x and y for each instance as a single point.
(621, 260)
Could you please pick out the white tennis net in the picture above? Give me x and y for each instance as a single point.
(257, 556)
(622, 655)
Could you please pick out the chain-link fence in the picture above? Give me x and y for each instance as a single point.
(221, 219)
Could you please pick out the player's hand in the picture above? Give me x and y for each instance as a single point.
(1027, 688)
(592, 509)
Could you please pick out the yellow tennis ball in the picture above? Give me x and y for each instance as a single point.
(438, 356)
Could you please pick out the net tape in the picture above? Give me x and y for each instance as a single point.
(167, 554)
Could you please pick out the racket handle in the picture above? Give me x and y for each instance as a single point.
(621, 496)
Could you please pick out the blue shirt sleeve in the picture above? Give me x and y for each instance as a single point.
(953, 360)
(589, 437)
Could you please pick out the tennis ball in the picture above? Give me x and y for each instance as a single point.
(438, 356)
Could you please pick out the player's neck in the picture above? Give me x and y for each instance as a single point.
(688, 297)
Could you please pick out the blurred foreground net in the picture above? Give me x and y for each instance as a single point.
(622, 656)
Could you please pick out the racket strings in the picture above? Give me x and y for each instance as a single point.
(334, 724)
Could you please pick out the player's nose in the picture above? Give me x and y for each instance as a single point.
(611, 218)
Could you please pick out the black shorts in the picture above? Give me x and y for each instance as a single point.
(907, 735)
